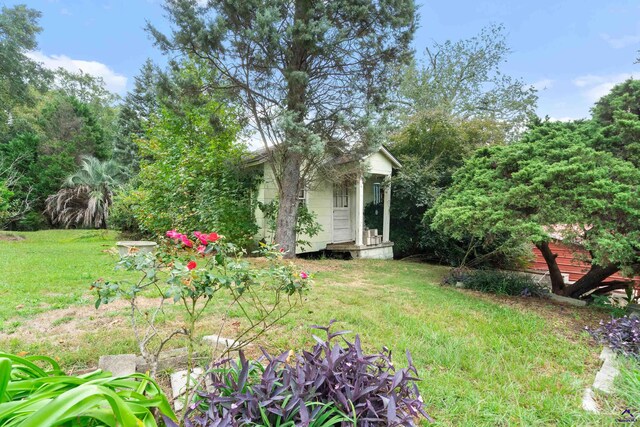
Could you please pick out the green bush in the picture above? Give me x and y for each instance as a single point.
(123, 215)
(496, 282)
(192, 174)
(32, 221)
(34, 392)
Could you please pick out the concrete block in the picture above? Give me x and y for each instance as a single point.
(568, 301)
(588, 402)
(217, 341)
(118, 364)
(169, 359)
(179, 385)
(608, 372)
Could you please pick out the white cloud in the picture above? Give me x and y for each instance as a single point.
(562, 119)
(543, 84)
(595, 87)
(621, 42)
(114, 82)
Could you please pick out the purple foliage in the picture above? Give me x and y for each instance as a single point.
(331, 375)
(621, 334)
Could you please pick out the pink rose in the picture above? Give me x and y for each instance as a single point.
(173, 234)
(202, 237)
(185, 241)
(201, 249)
(304, 275)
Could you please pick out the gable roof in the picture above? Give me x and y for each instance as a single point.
(261, 156)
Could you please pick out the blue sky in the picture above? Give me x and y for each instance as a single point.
(572, 51)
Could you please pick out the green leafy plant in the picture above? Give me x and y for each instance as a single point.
(607, 303)
(496, 282)
(307, 225)
(34, 392)
(192, 174)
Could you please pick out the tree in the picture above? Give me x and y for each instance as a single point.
(618, 114)
(312, 75)
(463, 79)
(455, 101)
(431, 146)
(189, 157)
(87, 195)
(136, 111)
(18, 74)
(553, 180)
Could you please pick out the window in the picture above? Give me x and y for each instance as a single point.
(340, 196)
(377, 193)
(302, 197)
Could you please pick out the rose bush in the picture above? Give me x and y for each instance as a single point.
(192, 276)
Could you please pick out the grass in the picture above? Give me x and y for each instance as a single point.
(484, 360)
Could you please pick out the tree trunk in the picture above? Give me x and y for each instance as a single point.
(557, 281)
(295, 143)
(592, 280)
(288, 205)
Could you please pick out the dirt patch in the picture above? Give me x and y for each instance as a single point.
(61, 324)
(309, 265)
(9, 237)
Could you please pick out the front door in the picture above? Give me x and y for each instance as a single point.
(341, 214)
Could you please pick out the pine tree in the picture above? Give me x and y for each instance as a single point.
(136, 110)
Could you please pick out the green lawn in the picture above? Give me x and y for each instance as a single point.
(484, 361)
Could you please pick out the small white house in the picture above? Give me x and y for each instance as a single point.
(339, 208)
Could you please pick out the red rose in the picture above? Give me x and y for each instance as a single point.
(212, 237)
(191, 265)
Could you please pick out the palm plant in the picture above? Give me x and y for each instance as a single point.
(86, 196)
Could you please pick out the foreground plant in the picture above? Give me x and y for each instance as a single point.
(190, 273)
(35, 396)
(621, 334)
(331, 385)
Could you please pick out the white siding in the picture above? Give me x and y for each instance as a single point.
(377, 163)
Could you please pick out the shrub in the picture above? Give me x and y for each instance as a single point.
(32, 395)
(332, 384)
(123, 215)
(621, 334)
(496, 282)
(306, 223)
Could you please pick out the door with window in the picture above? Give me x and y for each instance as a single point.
(341, 214)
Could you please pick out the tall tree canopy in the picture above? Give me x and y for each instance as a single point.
(618, 114)
(136, 111)
(312, 75)
(456, 100)
(18, 73)
(553, 180)
(463, 79)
